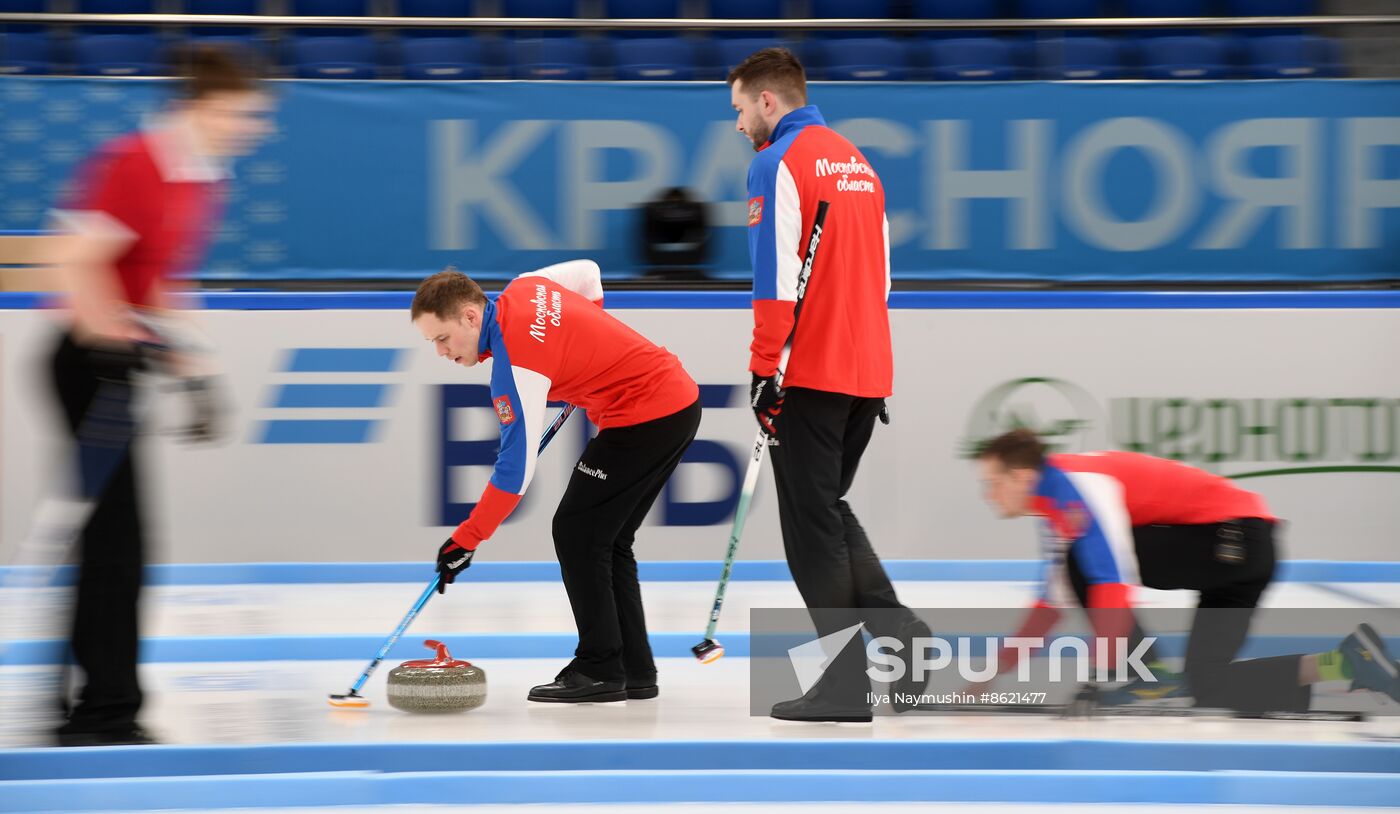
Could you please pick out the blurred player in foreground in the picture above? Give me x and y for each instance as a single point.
(550, 339)
(1112, 520)
(144, 207)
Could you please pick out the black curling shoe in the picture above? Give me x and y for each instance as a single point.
(134, 736)
(642, 692)
(573, 687)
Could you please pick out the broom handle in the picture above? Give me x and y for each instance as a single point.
(394, 637)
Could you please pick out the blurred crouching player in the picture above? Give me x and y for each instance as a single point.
(144, 208)
(550, 339)
(1113, 520)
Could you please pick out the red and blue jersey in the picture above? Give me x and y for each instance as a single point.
(1159, 491)
(1084, 517)
(842, 344)
(1092, 501)
(549, 339)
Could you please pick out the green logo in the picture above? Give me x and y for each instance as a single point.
(1060, 412)
(1235, 437)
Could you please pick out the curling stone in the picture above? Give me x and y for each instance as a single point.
(441, 684)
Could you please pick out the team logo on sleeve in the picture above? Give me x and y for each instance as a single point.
(755, 210)
(504, 410)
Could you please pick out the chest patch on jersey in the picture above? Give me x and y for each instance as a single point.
(755, 210)
(504, 411)
(1072, 521)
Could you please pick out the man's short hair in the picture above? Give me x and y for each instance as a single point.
(772, 69)
(1018, 449)
(444, 294)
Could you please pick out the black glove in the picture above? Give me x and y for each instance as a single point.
(115, 361)
(884, 413)
(452, 560)
(206, 410)
(766, 399)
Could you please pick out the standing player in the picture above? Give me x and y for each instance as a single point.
(551, 339)
(841, 365)
(144, 208)
(1115, 519)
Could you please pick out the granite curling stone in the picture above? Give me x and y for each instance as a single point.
(441, 684)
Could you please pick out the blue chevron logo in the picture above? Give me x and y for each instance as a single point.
(346, 412)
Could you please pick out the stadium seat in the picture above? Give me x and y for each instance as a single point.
(23, 7)
(1059, 9)
(436, 8)
(116, 7)
(956, 9)
(25, 53)
(334, 57)
(549, 58)
(641, 9)
(746, 10)
(1080, 58)
(865, 59)
(731, 51)
(451, 57)
(1292, 56)
(1270, 8)
(1185, 57)
(119, 55)
(540, 8)
(260, 49)
(654, 59)
(329, 8)
(972, 59)
(850, 9)
(218, 7)
(1167, 8)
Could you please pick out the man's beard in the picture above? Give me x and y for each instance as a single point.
(759, 136)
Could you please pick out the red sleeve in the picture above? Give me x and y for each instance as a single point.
(116, 183)
(490, 512)
(1038, 622)
(772, 323)
(1111, 615)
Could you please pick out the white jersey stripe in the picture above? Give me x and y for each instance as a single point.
(533, 388)
(1103, 496)
(787, 228)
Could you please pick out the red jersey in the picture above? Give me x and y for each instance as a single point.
(151, 188)
(842, 344)
(549, 339)
(1157, 491)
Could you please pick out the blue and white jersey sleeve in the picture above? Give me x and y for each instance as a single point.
(1084, 518)
(520, 396)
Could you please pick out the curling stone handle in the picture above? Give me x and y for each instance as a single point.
(443, 657)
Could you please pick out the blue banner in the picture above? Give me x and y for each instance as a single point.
(1045, 181)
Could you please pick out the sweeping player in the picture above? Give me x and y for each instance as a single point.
(1112, 520)
(840, 368)
(145, 205)
(549, 338)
